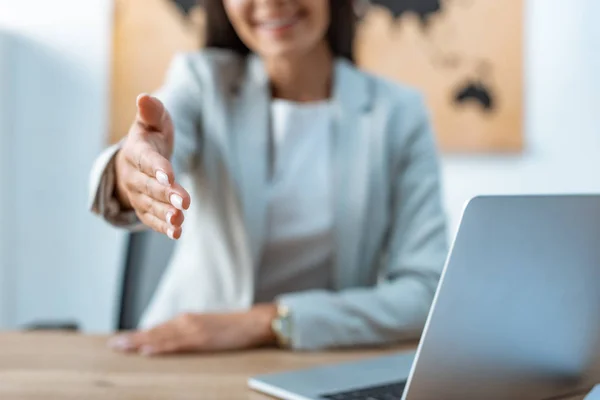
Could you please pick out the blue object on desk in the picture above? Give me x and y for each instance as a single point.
(594, 394)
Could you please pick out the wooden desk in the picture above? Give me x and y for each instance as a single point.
(67, 366)
(36, 366)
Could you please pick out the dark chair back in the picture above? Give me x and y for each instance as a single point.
(148, 254)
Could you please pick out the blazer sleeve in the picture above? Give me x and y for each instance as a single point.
(397, 308)
(181, 96)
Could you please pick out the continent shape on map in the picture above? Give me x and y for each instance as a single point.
(472, 89)
(186, 5)
(423, 8)
(465, 56)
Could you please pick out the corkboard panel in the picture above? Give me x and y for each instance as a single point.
(464, 55)
(146, 36)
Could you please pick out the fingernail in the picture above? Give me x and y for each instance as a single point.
(122, 343)
(162, 178)
(147, 350)
(169, 217)
(171, 233)
(177, 201)
(141, 95)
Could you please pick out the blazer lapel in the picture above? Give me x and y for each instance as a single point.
(250, 139)
(351, 147)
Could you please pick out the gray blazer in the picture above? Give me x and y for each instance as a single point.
(390, 228)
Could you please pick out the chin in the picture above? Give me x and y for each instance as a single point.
(281, 54)
(284, 50)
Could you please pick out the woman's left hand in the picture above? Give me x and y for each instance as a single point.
(202, 333)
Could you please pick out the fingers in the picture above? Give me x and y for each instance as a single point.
(164, 203)
(128, 342)
(151, 112)
(163, 211)
(181, 334)
(166, 347)
(175, 195)
(164, 339)
(146, 159)
(157, 203)
(162, 185)
(160, 225)
(122, 343)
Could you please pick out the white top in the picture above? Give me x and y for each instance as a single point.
(299, 242)
(594, 394)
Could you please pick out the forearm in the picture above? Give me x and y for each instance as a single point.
(258, 323)
(389, 313)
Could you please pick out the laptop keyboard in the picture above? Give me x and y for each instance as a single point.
(392, 391)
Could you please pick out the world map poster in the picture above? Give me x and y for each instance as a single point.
(465, 56)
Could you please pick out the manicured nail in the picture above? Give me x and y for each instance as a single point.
(162, 178)
(169, 217)
(147, 350)
(171, 233)
(122, 343)
(177, 201)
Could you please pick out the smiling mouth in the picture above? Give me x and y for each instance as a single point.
(279, 24)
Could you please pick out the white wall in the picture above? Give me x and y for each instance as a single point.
(562, 108)
(5, 163)
(65, 263)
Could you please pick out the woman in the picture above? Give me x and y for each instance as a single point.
(312, 189)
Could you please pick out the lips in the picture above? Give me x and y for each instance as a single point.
(277, 24)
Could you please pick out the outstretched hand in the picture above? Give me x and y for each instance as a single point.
(145, 181)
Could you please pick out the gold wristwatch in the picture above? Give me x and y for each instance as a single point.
(282, 326)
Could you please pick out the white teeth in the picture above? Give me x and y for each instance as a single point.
(277, 23)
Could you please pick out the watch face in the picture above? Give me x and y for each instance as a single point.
(282, 327)
(285, 326)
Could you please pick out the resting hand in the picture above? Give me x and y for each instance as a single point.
(144, 175)
(202, 333)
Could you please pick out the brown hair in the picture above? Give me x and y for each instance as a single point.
(220, 33)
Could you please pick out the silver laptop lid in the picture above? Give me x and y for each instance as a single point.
(517, 313)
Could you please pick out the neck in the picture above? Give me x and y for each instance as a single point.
(304, 78)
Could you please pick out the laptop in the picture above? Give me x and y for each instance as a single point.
(516, 314)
